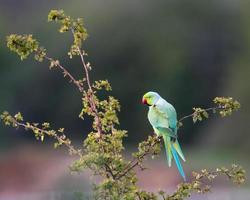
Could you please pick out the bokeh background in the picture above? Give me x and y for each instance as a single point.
(188, 51)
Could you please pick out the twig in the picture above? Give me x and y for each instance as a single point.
(90, 97)
(129, 167)
(67, 73)
(135, 162)
(109, 170)
(138, 195)
(51, 134)
(208, 109)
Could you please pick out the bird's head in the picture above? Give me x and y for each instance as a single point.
(150, 98)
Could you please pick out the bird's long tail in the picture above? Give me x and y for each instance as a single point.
(173, 149)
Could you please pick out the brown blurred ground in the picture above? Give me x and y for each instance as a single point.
(38, 173)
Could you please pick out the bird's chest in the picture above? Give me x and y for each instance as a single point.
(157, 118)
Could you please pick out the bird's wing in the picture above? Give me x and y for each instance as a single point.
(169, 114)
(167, 130)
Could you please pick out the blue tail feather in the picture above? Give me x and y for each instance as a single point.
(178, 163)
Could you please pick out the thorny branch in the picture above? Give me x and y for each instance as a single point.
(207, 109)
(138, 159)
(67, 73)
(90, 96)
(40, 132)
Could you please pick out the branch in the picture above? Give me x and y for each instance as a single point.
(78, 84)
(16, 122)
(207, 110)
(109, 170)
(90, 96)
(150, 149)
(199, 185)
(61, 140)
(225, 105)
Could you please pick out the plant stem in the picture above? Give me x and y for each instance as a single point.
(90, 96)
(207, 109)
(70, 147)
(67, 73)
(136, 161)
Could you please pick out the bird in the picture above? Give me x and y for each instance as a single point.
(163, 118)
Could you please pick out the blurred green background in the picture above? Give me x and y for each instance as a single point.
(188, 51)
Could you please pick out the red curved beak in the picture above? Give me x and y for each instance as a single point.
(144, 101)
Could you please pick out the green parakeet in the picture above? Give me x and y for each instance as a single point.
(163, 118)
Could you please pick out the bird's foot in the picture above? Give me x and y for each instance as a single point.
(158, 137)
(173, 139)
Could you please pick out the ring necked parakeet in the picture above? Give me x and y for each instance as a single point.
(163, 118)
